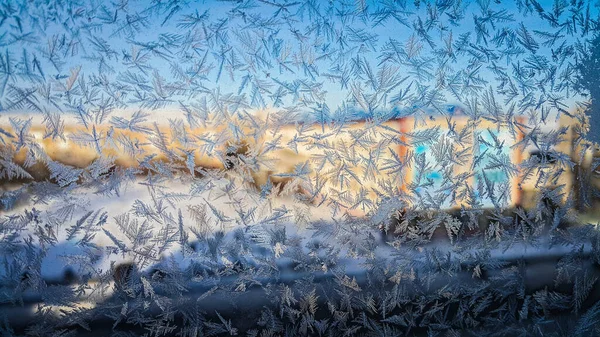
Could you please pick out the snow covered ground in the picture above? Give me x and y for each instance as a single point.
(178, 220)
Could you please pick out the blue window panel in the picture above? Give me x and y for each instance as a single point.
(435, 175)
(494, 175)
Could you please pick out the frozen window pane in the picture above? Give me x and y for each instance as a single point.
(325, 168)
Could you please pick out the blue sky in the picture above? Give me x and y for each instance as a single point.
(337, 45)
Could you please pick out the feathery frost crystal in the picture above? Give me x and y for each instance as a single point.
(299, 168)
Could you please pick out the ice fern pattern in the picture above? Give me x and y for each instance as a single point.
(299, 168)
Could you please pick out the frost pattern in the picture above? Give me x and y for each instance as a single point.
(268, 168)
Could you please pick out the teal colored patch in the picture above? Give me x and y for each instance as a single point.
(434, 176)
(496, 176)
